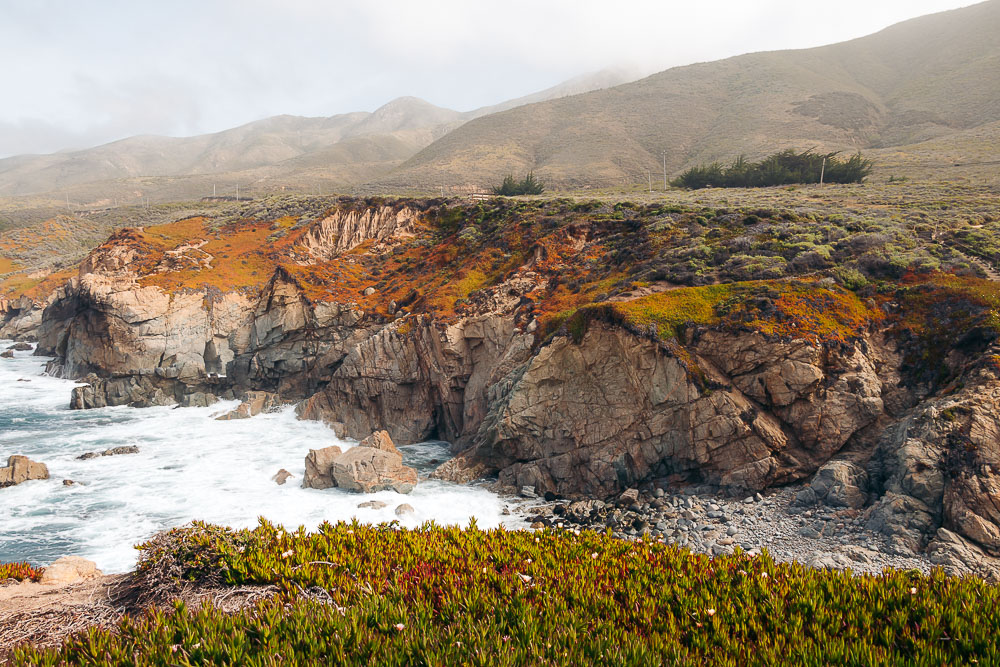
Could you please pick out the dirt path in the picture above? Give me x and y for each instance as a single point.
(46, 614)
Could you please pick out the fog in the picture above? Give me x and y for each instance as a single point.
(81, 74)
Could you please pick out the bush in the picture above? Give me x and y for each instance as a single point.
(510, 187)
(356, 594)
(781, 168)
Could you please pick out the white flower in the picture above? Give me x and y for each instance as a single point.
(913, 590)
(593, 555)
(287, 553)
(710, 612)
(400, 626)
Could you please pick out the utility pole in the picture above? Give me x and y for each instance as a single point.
(664, 171)
(213, 189)
(67, 202)
(649, 176)
(237, 192)
(822, 171)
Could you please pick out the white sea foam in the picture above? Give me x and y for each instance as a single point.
(190, 466)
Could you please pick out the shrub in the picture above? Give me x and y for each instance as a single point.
(510, 187)
(19, 572)
(781, 168)
(356, 594)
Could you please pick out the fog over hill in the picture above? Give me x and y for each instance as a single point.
(276, 152)
(918, 80)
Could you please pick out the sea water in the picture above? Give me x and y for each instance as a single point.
(189, 466)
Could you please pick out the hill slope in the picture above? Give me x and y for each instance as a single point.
(270, 154)
(914, 81)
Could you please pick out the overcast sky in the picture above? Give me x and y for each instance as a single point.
(80, 73)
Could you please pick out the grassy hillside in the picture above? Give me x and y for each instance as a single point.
(275, 154)
(357, 594)
(921, 79)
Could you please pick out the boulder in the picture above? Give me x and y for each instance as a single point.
(20, 347)
(7, 354)
(318, 468)
(254, 403)
(22, 469)
(281, 477)
(372, 505)
(69, 570)
(841, 484)
(369, 470)
(379, 440)
(405, 510)
(114, 451)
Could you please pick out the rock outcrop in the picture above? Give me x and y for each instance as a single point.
(319, 463)
(587, 410)
(373, 465)
(20, 318)
(68, 570)
(21, 469)
(253, 403)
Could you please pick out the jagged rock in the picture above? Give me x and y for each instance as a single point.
(825, 561)
(958, 556)
(370, 470)
(7, 354)
(68, 570)
(379, 440)
(372, 504)
(319, 463)
(68, 482)
(254, 403)
(114, 451)
(629, 496)
(528, 492)
(281, 477)
(405, 510)
(21, 469)
(198, 399)
(20, 347)
(20, 318)
(841, 484)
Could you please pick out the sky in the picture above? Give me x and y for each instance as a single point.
(78, 74)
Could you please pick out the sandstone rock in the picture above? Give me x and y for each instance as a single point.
(373, 505)
(370, 470)
(405, 510)
(253, 403)
(68, 482)
(319, 464)
(379, 440)
(281, 477)
(69, 570)
(21, 469)
(7, 354)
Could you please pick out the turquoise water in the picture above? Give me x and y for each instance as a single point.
(190, 466)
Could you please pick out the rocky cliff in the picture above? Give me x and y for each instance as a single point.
(387, 317)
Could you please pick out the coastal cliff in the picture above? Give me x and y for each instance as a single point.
(517, 340)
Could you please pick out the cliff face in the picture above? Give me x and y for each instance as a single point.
(757, 384)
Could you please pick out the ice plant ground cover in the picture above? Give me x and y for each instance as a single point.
(360, 594)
